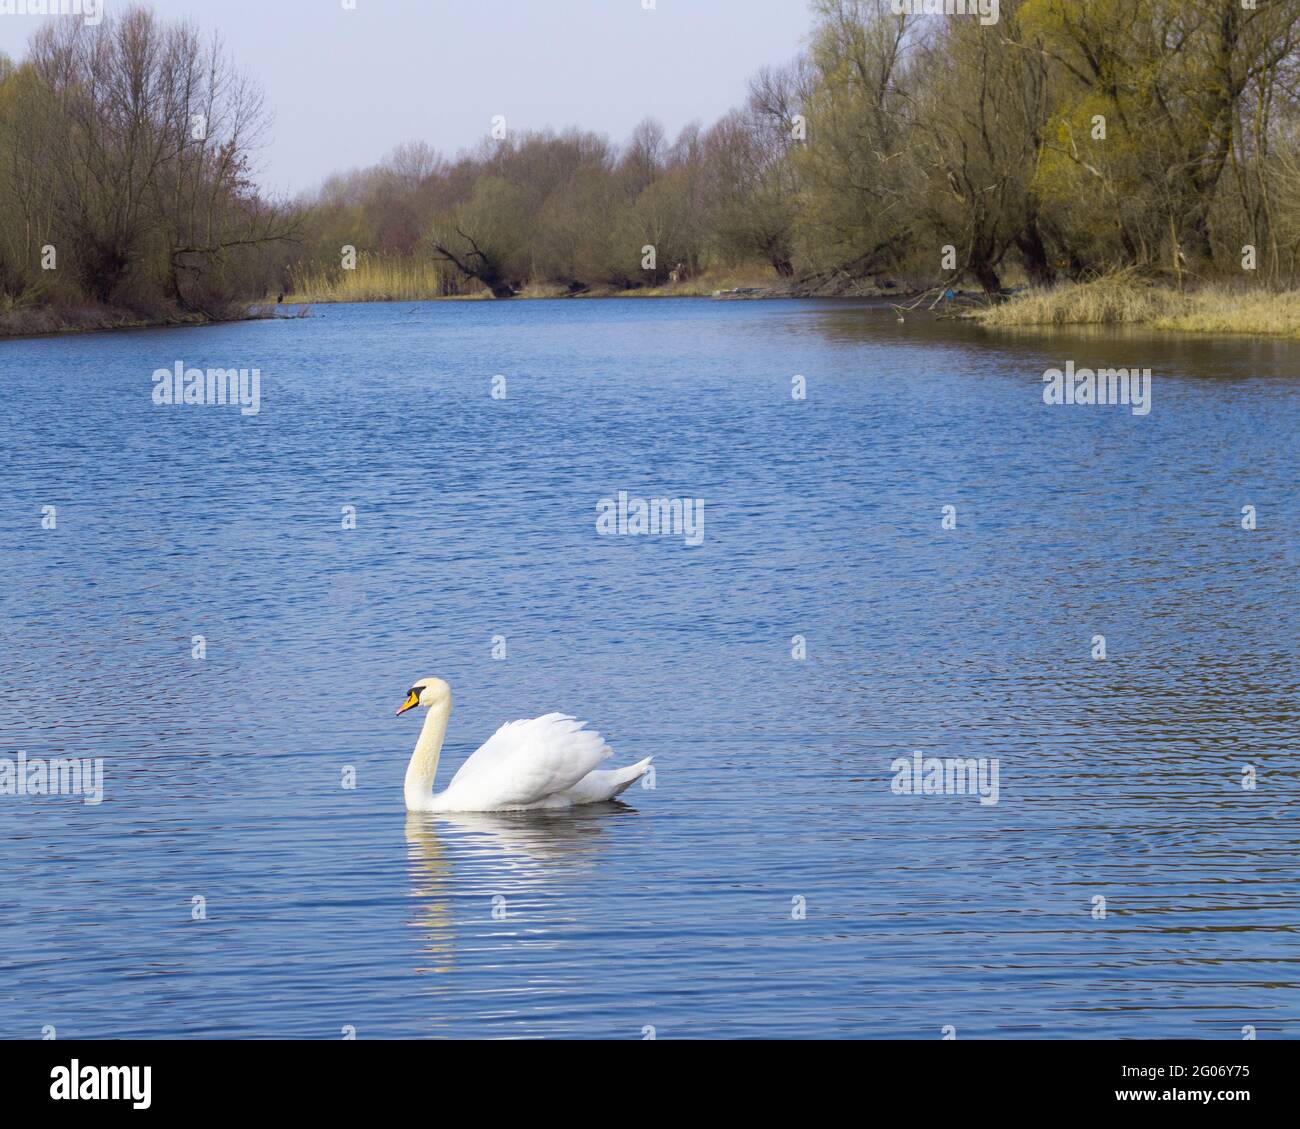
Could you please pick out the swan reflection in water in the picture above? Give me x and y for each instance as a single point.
(476, 856)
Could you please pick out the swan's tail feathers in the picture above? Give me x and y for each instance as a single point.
(596, 787)
(624, 778)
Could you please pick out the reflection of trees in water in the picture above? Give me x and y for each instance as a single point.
(495, 852)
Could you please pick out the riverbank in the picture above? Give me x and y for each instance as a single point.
(428, 282)
(1112, 300)
(1128, 300)
(46, 321)
(378, 280)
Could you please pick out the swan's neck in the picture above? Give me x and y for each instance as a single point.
(424, 761)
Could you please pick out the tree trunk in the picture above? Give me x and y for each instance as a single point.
(987, 276)
(485, 270)
(1033, 251)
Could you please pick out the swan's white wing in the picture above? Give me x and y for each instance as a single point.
(526, 761)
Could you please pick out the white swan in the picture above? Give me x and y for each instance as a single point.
(547, 762)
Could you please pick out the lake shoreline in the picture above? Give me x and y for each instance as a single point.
(371, 283)
(20, 325)
(1125, 299)
(44, 322)
(1114, 301)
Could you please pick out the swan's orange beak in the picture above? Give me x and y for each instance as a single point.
(411, 703)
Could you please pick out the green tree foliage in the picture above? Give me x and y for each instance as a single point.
(1069, 138)
(124, 163)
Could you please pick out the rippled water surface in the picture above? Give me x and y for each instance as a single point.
(771, 883)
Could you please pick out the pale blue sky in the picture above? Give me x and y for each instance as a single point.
(347, 86)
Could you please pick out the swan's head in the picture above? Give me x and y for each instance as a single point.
(427, 692)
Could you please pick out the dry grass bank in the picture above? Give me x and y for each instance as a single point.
(1124, 299)
(396, 280)
(376, 280)
(704, 285)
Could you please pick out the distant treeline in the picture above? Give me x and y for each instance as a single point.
(1069, 138)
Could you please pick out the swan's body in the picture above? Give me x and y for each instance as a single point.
(548, 762)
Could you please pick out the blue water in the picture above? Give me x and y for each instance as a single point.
(771, 883)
